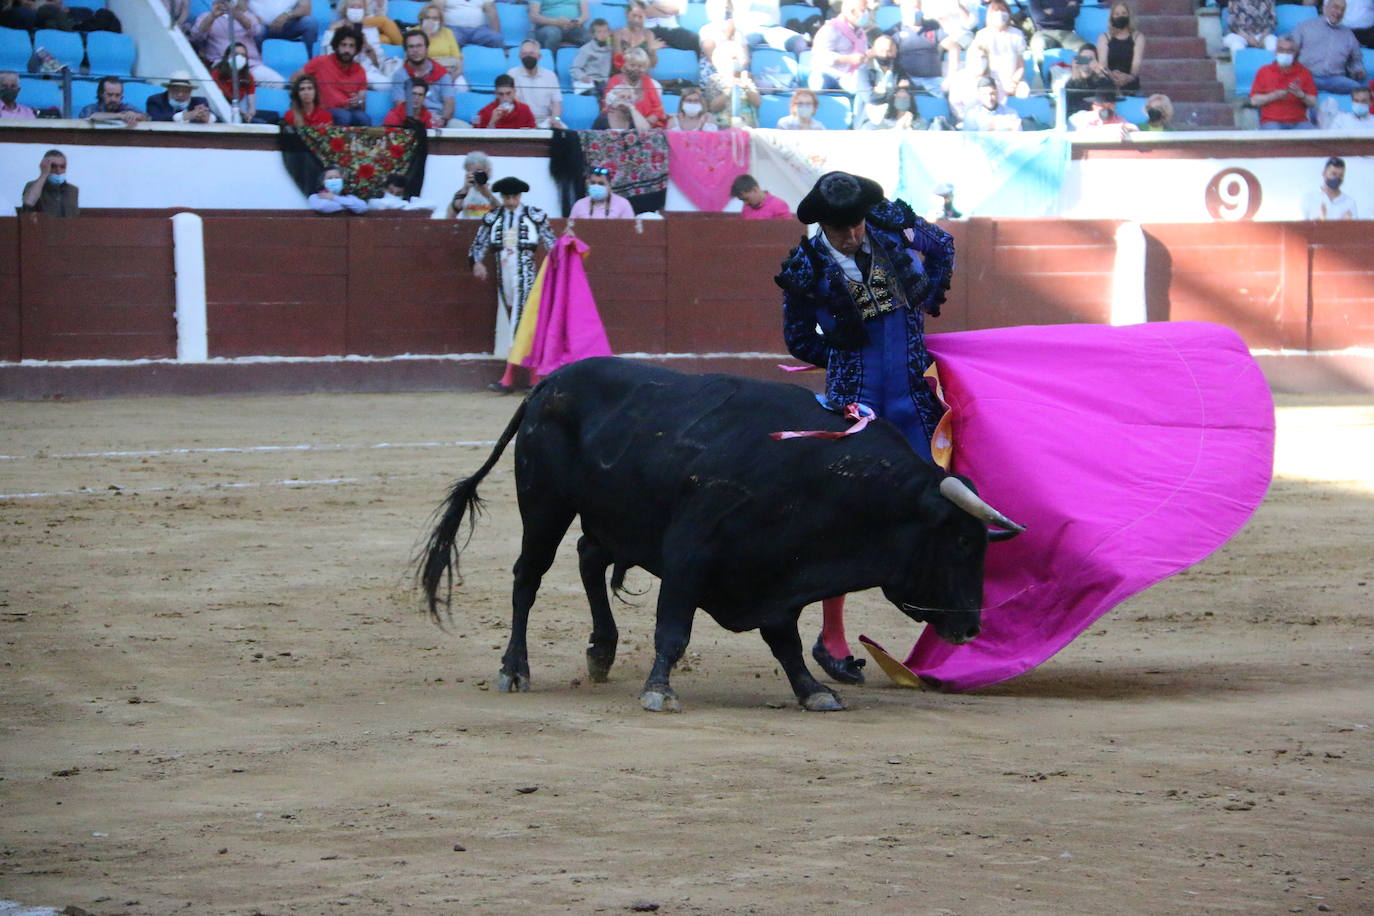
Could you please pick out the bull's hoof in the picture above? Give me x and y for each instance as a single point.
(599, 664)
(824, 701)
(849, 670)
(660, 701)
(513, 683)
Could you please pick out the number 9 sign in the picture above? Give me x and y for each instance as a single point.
(1233, 195)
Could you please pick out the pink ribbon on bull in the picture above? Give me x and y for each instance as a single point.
(859, 414)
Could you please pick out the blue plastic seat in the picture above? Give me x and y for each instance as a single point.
(614, 15)
(1132, 108)
(36, 92)
(579, 111)
(1036, 106)
(393, 51)
(515, 23)
(1246, 63)
(677, 65)
(888, 16)
(407, 11)
(803, 66)
(137, 93)
(482, 65)
(286, 57)
(671, 101)
(1054, 56)
(110, 53)
(85, 4)
(1289, 15)
(693, 17)
(833, 111)
(467, 104)
(1367, 55)
(931, 107)
(65, 46)
(278, 100)
(773, 107)
(379, 104)
(563, 62)
(1091, 22)
(15, 50)
(799, 11)
(772, 68)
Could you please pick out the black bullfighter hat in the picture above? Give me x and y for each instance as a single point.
(840, 199)
(510, 186)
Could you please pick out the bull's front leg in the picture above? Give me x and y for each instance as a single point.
(787, 649)
(672, 631)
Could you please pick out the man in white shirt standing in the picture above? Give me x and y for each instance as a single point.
(289, 19)
(1356, 120)
(1327, 201)
(537, 87)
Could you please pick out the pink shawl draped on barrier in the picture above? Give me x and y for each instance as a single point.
(703, 164)
(1129, 453)
(567, 325)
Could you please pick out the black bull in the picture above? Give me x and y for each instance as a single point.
(677, 474)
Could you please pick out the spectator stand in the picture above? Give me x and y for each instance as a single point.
(580, 111)
(468, 104)
(404, 13)
(515, 23)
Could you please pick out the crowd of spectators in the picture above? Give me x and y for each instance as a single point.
(821, 64)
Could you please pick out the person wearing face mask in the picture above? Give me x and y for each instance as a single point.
(177, 103)
(1330, 50)
(855, 297)
(369, 16)
(1356, 120)
(803, 116)
(1284, 91)
(729, 91)
(1327, 202)
(331, 199)
(898, 114)
(50, 193)
(234, 78)
(443, 46)
(211, 33)
(691, 113)
(1005, 48)
(1159, 113)
(632, 96)
(538, 87)
(1122, 48)
(601, 202)
(10, 106)
(592, 67)
(878, 80)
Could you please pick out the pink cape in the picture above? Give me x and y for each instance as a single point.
(1129, 453)
(568, 327)
(703, 164)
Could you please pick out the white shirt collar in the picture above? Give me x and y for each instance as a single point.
(846, 262)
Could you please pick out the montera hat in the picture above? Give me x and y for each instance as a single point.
(509, 185)
(840, 199)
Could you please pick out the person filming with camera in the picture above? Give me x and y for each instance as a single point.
(474, 199)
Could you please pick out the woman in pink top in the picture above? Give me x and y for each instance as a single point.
(601, 202)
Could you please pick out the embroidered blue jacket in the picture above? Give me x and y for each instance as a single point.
(816, 293)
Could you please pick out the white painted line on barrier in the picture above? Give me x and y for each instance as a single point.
(251, 448)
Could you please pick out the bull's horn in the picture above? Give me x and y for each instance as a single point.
(958, 492)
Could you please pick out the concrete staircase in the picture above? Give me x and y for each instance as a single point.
(1177, 64)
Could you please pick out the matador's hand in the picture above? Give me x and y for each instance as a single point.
(479, 270)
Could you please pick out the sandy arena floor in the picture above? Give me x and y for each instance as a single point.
(220, 697)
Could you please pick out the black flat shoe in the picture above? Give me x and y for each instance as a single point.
(848, 671)
(499, 388)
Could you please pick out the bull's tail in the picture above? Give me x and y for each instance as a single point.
(437, 564)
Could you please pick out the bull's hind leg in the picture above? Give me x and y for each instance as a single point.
(787, 649)
(672, 631)
(544, 530)
(592, 561)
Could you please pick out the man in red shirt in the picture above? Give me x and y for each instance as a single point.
(412, 110)
(1284, 91)
(343, 83)
(505, 113)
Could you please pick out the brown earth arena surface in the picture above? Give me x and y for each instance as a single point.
(220, 698)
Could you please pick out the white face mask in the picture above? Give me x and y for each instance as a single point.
(1284, 60)
(691, 109)
(805, 111)
(239, 61)
(431, 26)
(997, 19)
(353, 14)
(1359, 109)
